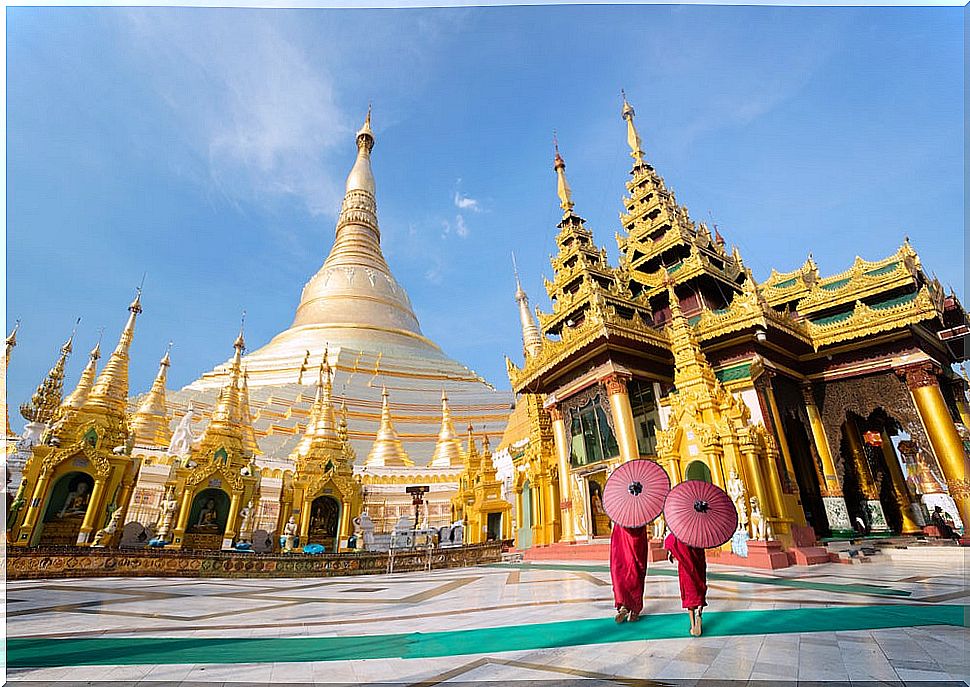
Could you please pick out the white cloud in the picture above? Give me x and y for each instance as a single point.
(466, 203)
(460, 227)
(261, 118)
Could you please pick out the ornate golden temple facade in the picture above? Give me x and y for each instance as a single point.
(825, 405)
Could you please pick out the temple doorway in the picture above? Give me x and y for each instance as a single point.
(324, 519)
(807, 475)
(66, 507)
(493, 527)
(698, 470)
(601, 526)
(525, 531)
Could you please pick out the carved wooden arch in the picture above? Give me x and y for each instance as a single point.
(97, 458)
(863, 396)
(571, 406)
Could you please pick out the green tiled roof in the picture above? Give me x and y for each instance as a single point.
(885, 269)
(785, 284)
(835, 285)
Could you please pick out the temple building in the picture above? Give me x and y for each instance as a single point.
(826, 406)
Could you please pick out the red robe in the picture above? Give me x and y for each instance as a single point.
(692, 571)
(628, 566)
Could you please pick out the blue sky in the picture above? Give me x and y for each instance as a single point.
(208, 148)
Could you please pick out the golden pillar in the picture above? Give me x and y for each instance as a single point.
(344, 523)
(34, 508)
(550, 508)
(622, 411)
(305, 512)
(960, 397)
(183, 520)
(779, 431)
(95, 508)
(753, 472)
(867, 483)
(565, 491)
(924, 385)
(776, 494)
(829, 473)
(910, 525)
(230, 532)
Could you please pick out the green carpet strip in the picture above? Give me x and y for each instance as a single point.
(36, 653)
(833, 587)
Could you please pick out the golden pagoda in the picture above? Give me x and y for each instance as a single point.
(83, 471)
(219, 479)
(800, 387)
(478, 501)
(447, 452)
(324, 496)
(149, 424)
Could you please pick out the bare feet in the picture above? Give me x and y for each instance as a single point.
(622, 614)
(633, 617)
(695, 623)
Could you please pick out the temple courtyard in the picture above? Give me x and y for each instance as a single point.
(901, 617)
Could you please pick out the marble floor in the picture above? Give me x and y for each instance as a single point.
(886, 622)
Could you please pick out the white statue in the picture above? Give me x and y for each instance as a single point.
(289, 534)
(166, 515)
(735, 489)
(659, 527)
(366, 527)
(248, 516)
(106, 532)
(758, 522)
(181, 444)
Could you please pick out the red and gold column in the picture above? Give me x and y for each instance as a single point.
(622, 411)
(923, 382)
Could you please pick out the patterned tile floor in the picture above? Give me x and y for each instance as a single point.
(886, 622)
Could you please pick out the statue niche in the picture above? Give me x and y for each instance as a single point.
(209, 512)
(324, 518)
(66, 508)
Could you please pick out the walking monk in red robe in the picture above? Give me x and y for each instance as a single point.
(692, 571)
(628, 568)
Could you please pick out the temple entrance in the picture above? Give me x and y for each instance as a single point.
(698, 470)
(493, 527)
(868, 486)
(66, 507)
(806, 476)
(525, 531)
(207, 520)
(324, 519)
(600, 521)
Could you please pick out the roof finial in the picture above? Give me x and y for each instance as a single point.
(563, 191)
(240, 342)
(632, 137)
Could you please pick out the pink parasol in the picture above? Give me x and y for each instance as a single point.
(700, 514)
(634, 493)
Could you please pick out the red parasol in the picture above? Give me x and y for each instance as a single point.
(634, 493)
(700, 514)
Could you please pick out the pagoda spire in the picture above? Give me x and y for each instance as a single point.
(226, 425)
(77, 397)
(562, 186)
(531, 337)
(447, 450)
(246, 416)
(472, 458)
(11, 344)
(47, 397)
(110, 391)
(632, 136)
(149, 425)
(387, 451)
(691, 367)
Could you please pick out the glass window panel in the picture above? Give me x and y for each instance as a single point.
(609, 447)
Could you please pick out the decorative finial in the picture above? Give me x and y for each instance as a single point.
(166, 359)
(632, 137)
(365, 136)
(240, 342)
(12, 339)
(562, 190)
